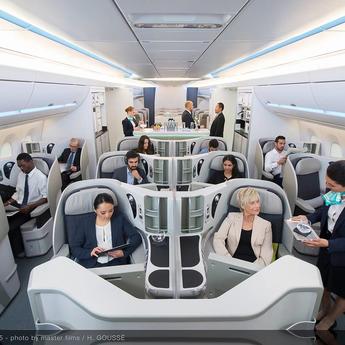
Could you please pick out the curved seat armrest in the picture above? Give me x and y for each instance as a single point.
(151, 186)
(63, 251)
(139, 255)
(304, 205)
(267, 175)
(39, 210)
(75, 175)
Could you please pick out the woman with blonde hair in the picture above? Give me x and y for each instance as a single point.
(129, 123)
(244, 235)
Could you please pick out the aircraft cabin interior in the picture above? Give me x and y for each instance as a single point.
(173, 166)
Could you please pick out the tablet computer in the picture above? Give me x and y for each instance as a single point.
(122, 246)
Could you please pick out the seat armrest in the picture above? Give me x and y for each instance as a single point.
(139, 255)
(63, 251)
(75, 175)
(267, 175)
(39, 210)
(304, 206)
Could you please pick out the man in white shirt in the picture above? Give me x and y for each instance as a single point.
(31, 191)
(275, 160)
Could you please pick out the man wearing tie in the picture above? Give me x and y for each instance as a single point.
(71, 157)
(31, 191)
(187, 117)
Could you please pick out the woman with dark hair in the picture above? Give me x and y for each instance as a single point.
(145, 145)
(331, 260)
(230, 171)
(92, 233)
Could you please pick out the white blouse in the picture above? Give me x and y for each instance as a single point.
(104, 240)
(334, 212)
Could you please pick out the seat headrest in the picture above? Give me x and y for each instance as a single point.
(308, 166)
(128, 144)
(41, 165)
(82, 201)
(268, 146)
(217, 164)
(111, 163)
(270, 202)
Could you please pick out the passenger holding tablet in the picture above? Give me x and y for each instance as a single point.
(91, 234)
(244, 235)
(331, 260)
(230, 171)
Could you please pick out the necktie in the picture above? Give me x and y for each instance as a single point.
(70, 161)
(26, 190)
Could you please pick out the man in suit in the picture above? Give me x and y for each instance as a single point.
(71, 157)
(217, 128)
(187, 117)
(131, 173)
(129, 122)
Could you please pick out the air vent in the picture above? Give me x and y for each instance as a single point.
(179, 21)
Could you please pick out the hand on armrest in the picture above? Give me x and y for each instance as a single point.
(267, 175)
(75, 175)
(39, 210)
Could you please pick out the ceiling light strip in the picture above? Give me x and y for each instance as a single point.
(285, 43)
(27, 26)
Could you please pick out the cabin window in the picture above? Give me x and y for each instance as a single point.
(336, 151)
(5, 150)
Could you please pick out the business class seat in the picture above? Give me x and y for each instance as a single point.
(127, 144)
(274, 208)
(214, 161)
(78, 199)
(9, 281)
(202, 143)
(37, 232)
(263, 146)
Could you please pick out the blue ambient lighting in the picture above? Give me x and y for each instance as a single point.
(36, 110)
(27, 26)
(309, 110)
(285, 43)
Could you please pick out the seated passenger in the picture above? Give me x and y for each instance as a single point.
(244, 235)
(230, 171)
(71, 157)
(212, 146)
(31, 191)
(275, 159)
(131, 173)
(92, 233)
(145, 145)
(129, 123)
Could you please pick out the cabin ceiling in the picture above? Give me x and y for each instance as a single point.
(106, 28)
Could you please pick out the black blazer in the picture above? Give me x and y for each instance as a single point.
(187, 118)
(217, 176)
(81, 232)
(217, 127)
(336, 248)
(128, 127)
(121, 175)
(65, 154)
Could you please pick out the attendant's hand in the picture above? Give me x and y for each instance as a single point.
(317, 243)
(136, 175)
(300, 218)
(116, 254)
(96, 251)
(282, 160)
(73, 168)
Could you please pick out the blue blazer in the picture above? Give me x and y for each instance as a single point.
(336, 247)
(81, 232)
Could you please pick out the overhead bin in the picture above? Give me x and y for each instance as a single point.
(330, 96)
(14, 95)
(56, 94)
(299, 95)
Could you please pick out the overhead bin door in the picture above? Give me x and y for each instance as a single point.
(330, 96)
(299, 95)
(56, 94)
(15, 95)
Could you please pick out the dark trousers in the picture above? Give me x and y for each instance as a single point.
(66, 180)
(278, 180)
(14, 234)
